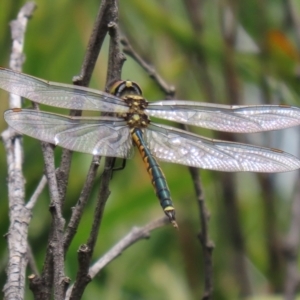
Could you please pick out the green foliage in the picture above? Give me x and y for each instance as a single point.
(169, 265)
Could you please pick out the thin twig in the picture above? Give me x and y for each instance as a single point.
(129, 50)
(32, 201)
(58, 223)
(105, 15)
(95, 43)
(116, 57)
(84, 258)
(131, 238)
(77, 211)
(109, 13)
(207, 244)
(31, 261)
(19, 215)
(62, 173)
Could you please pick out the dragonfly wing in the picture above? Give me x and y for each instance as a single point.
(59, 95)
(252, 118)
(178, 146)
(107, 136)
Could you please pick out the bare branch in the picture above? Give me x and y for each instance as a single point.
(62, 173)
(108, 15)
(114, 72)
(78, 209)
(206, 243)
(94, 46)
(31, 261)
(36, 286)
(82, 278)
(131, 238)
(166, 88)
(105, 15)
(19, 215)
(116, 57)
(58, 223)
(18, 28)
(32, 201)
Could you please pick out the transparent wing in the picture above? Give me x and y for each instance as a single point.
(107, 136)
(178, 146)
(253, 118)
(59, 95)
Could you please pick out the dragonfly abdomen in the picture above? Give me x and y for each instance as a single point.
(157, 177)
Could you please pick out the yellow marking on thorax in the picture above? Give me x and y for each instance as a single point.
(128, 84)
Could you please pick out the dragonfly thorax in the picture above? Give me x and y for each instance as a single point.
(131, 94)
(136, 117)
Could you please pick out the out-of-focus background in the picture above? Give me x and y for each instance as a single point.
(245, 53)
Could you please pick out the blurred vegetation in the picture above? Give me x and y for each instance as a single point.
(169, 265)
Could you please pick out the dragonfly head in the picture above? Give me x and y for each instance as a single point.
(125, 88)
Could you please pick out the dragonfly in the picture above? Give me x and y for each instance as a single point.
(127, 125)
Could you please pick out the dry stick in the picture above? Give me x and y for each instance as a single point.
(207, 244)
(52, 276)
(31, 261)
(110, 15)
(32, 201)
(95, 43)
(62, 173)
(19, 215)
(132, 237)
(128, 49)
(94, 46)
(77, 211)
(56, 246)
(116, 57)
(85, 251)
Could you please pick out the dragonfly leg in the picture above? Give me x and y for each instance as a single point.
(119, 168)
